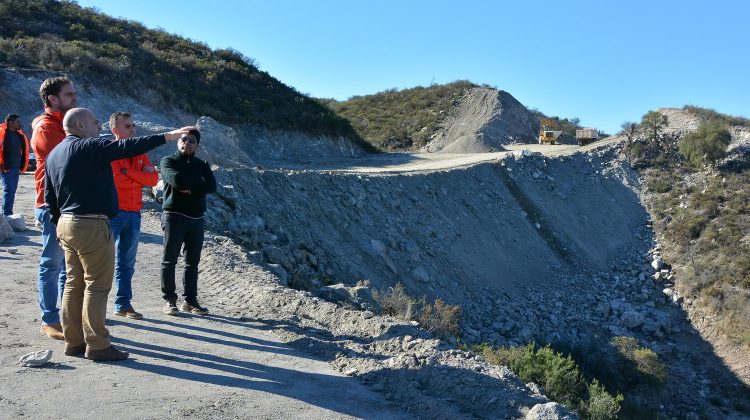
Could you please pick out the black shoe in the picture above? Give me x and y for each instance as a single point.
(75, 350)
(170, 308)
(192, 306)
(110, 354)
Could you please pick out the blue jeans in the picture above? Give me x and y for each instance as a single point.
(179, 230)
(126, 231)
(51, 270)
(9, 180)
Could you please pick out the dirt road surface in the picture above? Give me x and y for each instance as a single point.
(216, 366)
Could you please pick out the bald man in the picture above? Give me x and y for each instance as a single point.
(80, 193)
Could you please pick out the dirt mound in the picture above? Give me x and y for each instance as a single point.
(485, 120)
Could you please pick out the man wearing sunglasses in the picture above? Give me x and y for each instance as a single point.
(187, 180)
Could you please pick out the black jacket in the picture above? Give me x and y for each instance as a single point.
(189, 173)
(78, 177)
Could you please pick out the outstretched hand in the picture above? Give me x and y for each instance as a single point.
(176, 134)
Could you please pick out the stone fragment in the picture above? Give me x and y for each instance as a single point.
(549, 411)
(16, 222)
(6, 231)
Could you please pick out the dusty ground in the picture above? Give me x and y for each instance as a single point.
(217, 366)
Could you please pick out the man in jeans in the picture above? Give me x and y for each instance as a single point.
(58, 96)
(80, 195)
(14, 159)
(187, 180)
(131, 175)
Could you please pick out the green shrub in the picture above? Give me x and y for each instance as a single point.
(707, 145)
(558, 374)
(601, 405)
(645, 360)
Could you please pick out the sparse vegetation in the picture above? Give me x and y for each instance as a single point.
(707, 145)
(703, 218)
(710, 115)
(560, 377)
(653, 123)
(401, 119)
(439, 318)
(223, 83)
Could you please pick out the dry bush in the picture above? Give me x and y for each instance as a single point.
(441, 319)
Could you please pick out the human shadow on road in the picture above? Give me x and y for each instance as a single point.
(150, 238)
(176, 329)
(312, 388)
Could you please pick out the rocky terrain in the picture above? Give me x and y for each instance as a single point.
(532, 247)
(485, 120)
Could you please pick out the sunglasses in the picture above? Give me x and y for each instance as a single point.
(189, 140)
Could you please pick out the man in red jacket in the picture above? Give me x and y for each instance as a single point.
(131, 175)
(58, 96)
(14, 159)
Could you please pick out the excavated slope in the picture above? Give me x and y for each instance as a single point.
(485, 120)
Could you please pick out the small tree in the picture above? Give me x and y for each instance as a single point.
(707, 145)
(630, 130)
(653, 123)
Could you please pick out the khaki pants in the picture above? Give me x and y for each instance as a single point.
(90, 261)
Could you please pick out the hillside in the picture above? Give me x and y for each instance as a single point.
(458, 117)
(701, 216)
(157, 68)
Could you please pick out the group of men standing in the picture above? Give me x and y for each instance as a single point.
(88, 203)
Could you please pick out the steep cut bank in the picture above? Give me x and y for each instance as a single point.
(484, 121)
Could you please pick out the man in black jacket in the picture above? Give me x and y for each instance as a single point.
(79, 192)
(187, 180)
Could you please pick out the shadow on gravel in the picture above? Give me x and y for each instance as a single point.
(174, 329)
(312, 388)
(149, 238)
(22, 239)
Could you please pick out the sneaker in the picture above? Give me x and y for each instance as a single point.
(129, 313)
(110, 354)
(170, 308)
(52, 331)
(193, 307)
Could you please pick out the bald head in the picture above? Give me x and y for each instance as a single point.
(82, 123)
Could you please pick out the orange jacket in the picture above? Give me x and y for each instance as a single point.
(131, 175)
(3, 129)
(47, 132)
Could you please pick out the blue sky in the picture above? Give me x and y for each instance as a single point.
(603, 62)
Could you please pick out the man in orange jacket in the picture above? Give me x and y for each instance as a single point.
(131, 175)
(14, 159)
(58, 96)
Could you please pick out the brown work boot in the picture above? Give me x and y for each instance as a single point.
(52, 331)
(110, 354)
(75, 350)
(129, 313)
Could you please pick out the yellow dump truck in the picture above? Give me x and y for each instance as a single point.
(586, 136)
(548, 132)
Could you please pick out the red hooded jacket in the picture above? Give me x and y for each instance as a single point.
(27, 150)
(47, 132)
(131, 175)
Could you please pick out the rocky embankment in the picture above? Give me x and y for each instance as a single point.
(484, 120)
